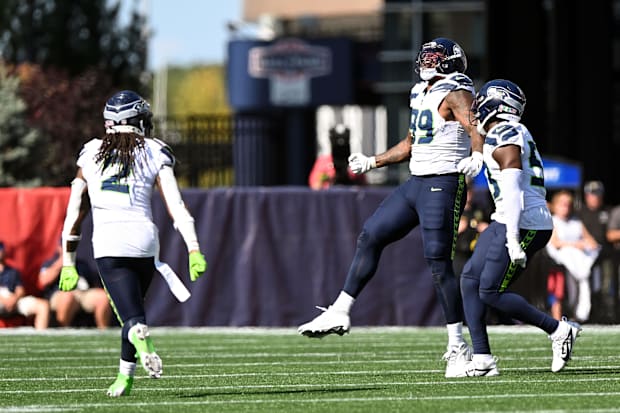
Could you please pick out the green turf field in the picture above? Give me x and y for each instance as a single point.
(258, 370)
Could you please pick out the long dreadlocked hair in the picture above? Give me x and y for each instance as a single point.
(120, 149)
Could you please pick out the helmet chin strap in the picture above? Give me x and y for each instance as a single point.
(124, 129)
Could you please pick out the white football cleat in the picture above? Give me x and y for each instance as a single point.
(457, 358)
(562, 341)
(479, 368)
(330, 322)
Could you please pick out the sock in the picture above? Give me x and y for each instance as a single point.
(482, 358)
(343, 303)
(455, 334)
(127, 368)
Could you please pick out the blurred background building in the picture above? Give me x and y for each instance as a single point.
(564, 54)
(226, 131)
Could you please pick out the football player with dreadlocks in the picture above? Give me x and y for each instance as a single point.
(437, 148)
(117, 173)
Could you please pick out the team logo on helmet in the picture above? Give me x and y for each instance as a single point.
(501, 99)
(125, 112)
(440, 57)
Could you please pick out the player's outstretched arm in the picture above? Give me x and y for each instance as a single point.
(360, 163)
(398, 153)
(509, 159)
(183, 221)
(77, 207)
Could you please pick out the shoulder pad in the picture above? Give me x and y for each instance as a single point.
(416, 90)
(461, 79)
(506, 133)
(92, 144)
(165, 149)
(454, 81)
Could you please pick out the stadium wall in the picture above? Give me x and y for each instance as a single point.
(273, 253)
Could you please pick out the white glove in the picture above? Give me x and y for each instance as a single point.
(516, 253)
(360, 163)
(471, 165)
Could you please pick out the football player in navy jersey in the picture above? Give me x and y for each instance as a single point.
(118, 174)
(441, 147)
(520, 226)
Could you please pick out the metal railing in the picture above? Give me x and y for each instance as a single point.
(202, 145)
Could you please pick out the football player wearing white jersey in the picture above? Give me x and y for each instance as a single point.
(438, 150)
(118, 173)
(520, 226)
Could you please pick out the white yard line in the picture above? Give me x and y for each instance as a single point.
(339, 400)
(467, 381)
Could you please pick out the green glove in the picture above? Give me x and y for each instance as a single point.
(68, 278)
(197, 265)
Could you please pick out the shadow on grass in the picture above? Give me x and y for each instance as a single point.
(293, 391)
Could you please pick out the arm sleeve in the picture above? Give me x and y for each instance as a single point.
(78, 186)
(510, 187)
(183, 221)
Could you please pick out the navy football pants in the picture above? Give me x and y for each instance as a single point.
(435, 203)
(485, 280)
(127, 280)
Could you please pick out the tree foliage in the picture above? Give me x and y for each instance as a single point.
(68, 110)
(70, 56)
(75, 36)
(19, 143)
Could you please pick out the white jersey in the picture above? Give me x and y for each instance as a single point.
(535, 214)
(121, 206)
(438, 145)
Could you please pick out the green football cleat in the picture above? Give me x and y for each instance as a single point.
(145, 350)
(121, 386)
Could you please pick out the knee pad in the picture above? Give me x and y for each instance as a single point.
(469, 287)
(436, 248)
(489, 297)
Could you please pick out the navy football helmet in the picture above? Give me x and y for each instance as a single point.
(500, 99)
(127, 112)
(439, 57)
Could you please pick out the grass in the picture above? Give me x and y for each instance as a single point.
(268, 370)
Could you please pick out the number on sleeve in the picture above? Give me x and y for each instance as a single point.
(536, 165)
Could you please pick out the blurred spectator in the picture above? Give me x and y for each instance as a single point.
(556, 288)
(613, 236)
(89, 295)
(333, 168)
(572, 246)
(13, 298)
(613, 227)
(595, 217)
